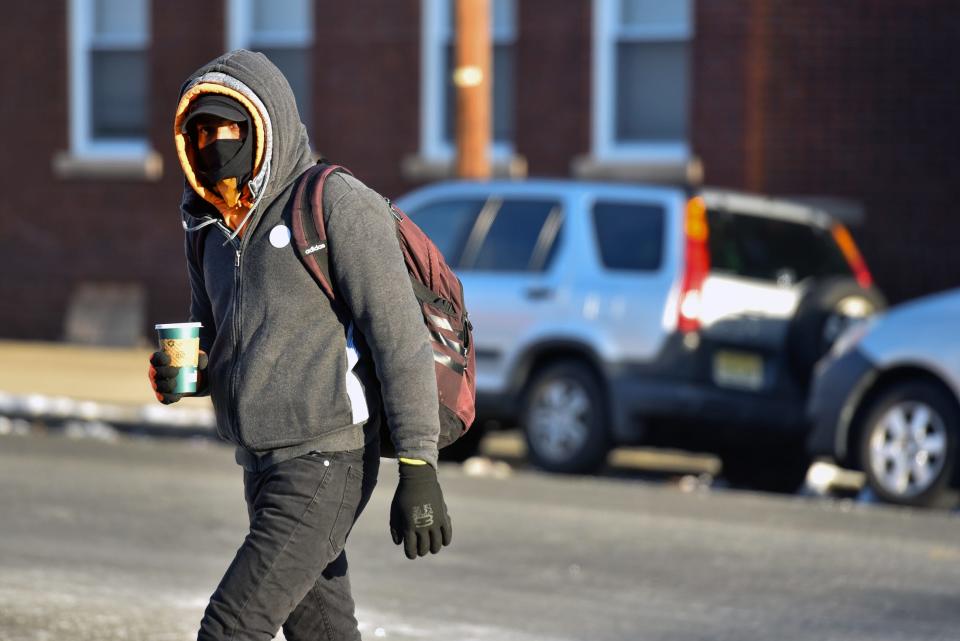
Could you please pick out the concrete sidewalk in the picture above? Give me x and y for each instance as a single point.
(57, 385)
(59, 382)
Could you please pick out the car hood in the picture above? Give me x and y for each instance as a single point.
(932, 308)
(919, 332)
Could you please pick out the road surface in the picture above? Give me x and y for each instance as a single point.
(126, 539)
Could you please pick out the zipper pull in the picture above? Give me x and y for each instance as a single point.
(236, 263)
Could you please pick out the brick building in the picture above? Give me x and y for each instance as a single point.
(820, 99)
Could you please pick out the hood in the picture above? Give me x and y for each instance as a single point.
(282, 149)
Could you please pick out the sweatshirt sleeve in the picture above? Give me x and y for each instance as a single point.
(200, 308)
(370, 275)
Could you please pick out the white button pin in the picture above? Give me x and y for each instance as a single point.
(280, 236)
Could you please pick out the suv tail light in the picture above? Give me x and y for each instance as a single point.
(696, 266)
(854, 258)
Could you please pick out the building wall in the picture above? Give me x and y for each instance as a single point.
(843, 99)
(56, 233)
(553, 93)
(719, 89)
(851, 99)
(367, 87)
(29, 239)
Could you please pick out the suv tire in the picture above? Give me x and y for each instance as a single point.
(822, 314)
(564, 419)
(909, 445)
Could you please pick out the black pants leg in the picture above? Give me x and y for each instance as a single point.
(291, 564)
(326, 613)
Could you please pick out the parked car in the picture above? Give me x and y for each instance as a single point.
(887, 401)
(610, 314)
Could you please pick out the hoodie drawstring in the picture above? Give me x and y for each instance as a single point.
(209, 221)
(213, 221)
(243, 222)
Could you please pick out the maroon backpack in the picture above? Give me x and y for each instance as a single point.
(437, 288)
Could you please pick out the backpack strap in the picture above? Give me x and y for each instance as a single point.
(309, 229)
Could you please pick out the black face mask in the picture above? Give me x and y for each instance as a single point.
(226, 159)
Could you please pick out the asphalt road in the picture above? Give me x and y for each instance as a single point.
(125, 539)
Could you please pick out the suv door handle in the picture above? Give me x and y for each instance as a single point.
(539, 293)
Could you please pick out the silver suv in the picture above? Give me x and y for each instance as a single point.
(610, 314)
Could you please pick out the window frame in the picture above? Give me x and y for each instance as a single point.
(607, 33)
(80, 20)
(435, 16)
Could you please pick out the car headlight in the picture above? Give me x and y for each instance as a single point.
(851, 337)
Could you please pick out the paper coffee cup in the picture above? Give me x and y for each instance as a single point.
(181, 341)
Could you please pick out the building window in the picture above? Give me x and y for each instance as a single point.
(108, 77)
(641, 79)
(438, 115)
(283, 31)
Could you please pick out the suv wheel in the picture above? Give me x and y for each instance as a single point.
(908, 446)
(564, 419)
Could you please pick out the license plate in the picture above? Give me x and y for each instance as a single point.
(738, 369)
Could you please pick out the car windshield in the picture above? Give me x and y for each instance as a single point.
(772, 249)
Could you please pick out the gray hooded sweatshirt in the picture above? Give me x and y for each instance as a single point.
(288, 371)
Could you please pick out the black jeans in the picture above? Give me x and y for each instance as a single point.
(291, 570)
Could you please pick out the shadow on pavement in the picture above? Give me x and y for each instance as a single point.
(629, 463)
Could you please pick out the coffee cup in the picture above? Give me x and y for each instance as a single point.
(181, 342)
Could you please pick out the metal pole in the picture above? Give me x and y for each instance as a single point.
(472, 77)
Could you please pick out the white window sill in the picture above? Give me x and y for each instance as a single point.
(667, 170)
(142, 167)
(419, 168)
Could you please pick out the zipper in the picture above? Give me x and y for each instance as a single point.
(238, 243)
(236, 347)
(237, 249)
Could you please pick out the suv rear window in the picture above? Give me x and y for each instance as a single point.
(771, 249)
(630, 235)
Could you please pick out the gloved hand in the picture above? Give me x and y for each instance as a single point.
(163, 376)
(418, 515)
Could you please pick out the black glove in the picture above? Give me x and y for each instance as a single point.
(418, 515)
(163, 376)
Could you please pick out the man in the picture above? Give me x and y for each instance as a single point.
(300, 385)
